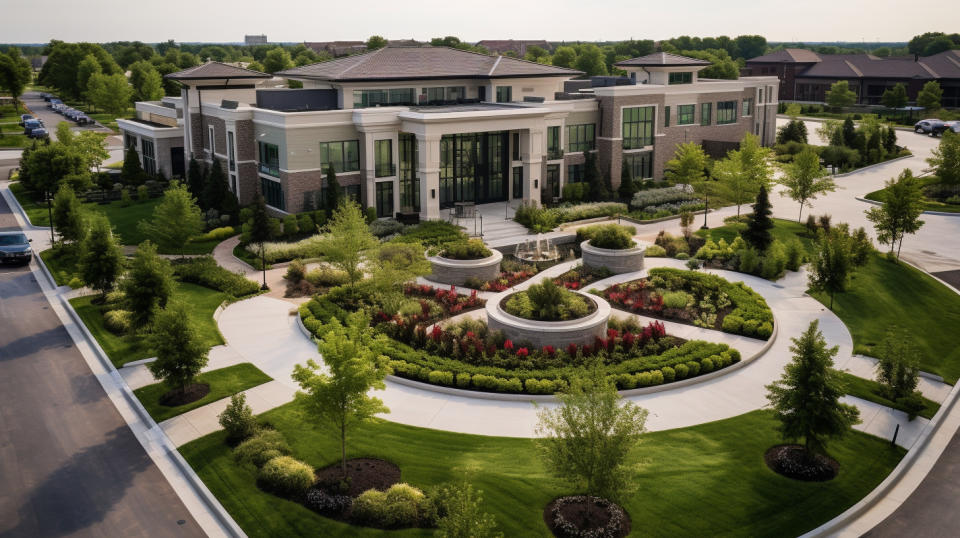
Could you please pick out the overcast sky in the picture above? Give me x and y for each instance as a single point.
(38, 21)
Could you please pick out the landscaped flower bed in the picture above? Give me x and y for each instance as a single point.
(460, 262)
(697, 298)
(511, 274)
(580, 277)
(548, 302)
(612, 247)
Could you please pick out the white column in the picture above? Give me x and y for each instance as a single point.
(531, 153)
(369, 180)
(428, 170)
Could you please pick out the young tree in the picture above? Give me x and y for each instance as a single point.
(890, 140)
(64, 133)
(945, 159)
(806, 399)
(86, 69)
(586, 440)
(348, 238)
(175, 219)
(689, 166)
(149, 284)
(101, 260)
(110, 93)
(390, 266)
(334, 193)
(132, 173)
(755, 162)
(277, 59)
(181, 353)
(376, 42)
(237, 419)
(261, 231)
(900, 213)
(757, 234)
(840, 95)
(215, 190)
(92, 146)
(68, 216)
(337, 395)
(832, 262)
(15, 74)
(463, 515)
(895, 97)
(898, 366)
(50, 166)
(929, 96)
(805, 179)
(146, 81)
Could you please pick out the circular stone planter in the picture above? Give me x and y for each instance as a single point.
(456, 272)
(617, 261)
(558, 334)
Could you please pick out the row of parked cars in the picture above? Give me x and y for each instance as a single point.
(936, 127)
(72, 114)
(33, 127)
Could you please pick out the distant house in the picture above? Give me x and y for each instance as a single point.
(806, 76)
(336, 48)
(517, 46)
(255, 39)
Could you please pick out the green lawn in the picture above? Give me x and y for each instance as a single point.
(869, 390)
(882, 294)
(36, 212)
(928, 205)
(223, 382)
(784, 230)
(708, 480)
(123, 349)
(62, 263)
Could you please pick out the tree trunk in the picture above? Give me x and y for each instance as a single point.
(50, 216)
(263, 266)
(343, 449)
(738, 212)
(900, 246)
(706, 208)
(831, 300)
(800, 215)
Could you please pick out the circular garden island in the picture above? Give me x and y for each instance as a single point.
(462, 261)
(548, 314)
(611, 246)
(424, 344)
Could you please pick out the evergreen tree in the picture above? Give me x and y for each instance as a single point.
(181, 353)
(898, 364)
(832, 262)
(337, 395)
(592, 177)
(334, 192)
(149, 284)
(132, 172)
(890, 140)
(628, 187)
(806, 399)
(175, 219)
(195, 180)
(101, 260)
(261, 231)
(849, 131)
(68, 216)
(757, 234)
(215, 190)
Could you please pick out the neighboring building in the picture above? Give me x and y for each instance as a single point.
(806, 76)
(255, 40)
(420, 129)
(336, 48)
(517, 46)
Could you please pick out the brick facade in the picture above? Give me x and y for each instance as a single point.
(297, 184)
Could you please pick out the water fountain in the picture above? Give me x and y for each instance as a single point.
(540, 250)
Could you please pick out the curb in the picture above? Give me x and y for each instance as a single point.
(15, 205)
(523, 397)
(871, 166)
(938, 213)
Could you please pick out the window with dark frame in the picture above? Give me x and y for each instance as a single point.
(581, 137)
(638, 127)
(504, 94)
(269, 159)
(149, 157)
(554, 150)
(272, 193)
(518, 182)
(384, 199)
(639, 165)
(680, 78)
(383, 158)
(516, 146)
(231, 157)
(747, 106)
(726, 112)
(409, 182)
(385, 97)
(685, 114)
(706, 113)
(344, 155)
(575, 173)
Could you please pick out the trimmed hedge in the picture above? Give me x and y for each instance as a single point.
(205, 272)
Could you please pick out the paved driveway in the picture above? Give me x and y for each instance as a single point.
(69, 465)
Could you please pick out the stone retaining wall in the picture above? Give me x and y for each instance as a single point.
(558, 334)
(617, 261)
(457, 272)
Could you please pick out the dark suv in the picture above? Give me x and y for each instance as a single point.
(15, 248)
(928, 126)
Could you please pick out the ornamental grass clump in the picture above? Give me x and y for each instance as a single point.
(608, 236)
(547, 301)
(472, 249)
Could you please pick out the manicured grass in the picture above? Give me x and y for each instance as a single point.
(882, 294)
(11, 138)
(36, 212)
(870, 390)
(123, 349)
(223, 382)
(928, 205)
(783, 230)
(62, 263)
(708, 480)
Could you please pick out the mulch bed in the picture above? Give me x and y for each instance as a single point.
(793, 461)
(566, 517)
(364, 474)
(178, 397)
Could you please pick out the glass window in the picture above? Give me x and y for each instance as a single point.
(726, 112)
(131, 141)
(761, 95)
(393, 96)
(553, 143)
(343, 155)
(384, 199)
(213, 140)
(272, 192)
(518, 182)
(580, 137)
(434, 95)
(551, 187)
(639, 165)
(269, 159)
(516, 146)
(504, 94)
(456, 93)
(409, 182)
(383, 158)
(575, 173)
(666, 116)
(747, 106)
(637, 127)
(231, 157)
(149, 157)
(680, 78)
(706, 113)
(685, 114)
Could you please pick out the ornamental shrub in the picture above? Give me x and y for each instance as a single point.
(286, 476)
(732, 324)
(795, 254)
(669, 374)
(655, 251)
(305, 224)
(216, 234)
(254, 450)
(290, 226)
(749, 260)
(694, 368)
(611, 236)
(588, 232)
(677, 299)
(750, 327)
(463, 380)
(205, 271)
(774, 261)
(682, 256)
(764, 330)
(438, 377)
(238, 420)
(682, 371)
(296, 271)
(385, 227)
(324, 503)
(327, 277)
(472, 249)
(706, 365)
(401, 505)
(117, 321)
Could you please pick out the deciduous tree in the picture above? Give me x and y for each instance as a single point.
(261, 231)
(840, 95)
(376, 42)
(463, 515)
(181, 354)
(900, 212)
(101, 260)
(805, 179)
(832, 262)
(945, 159)
(337, 396)
(347, 240)
(929, 96)
(149, 284)
(15, 74)
(895, 97)
(110, 93)
(175, 219)
(898, 364)
(688, 166)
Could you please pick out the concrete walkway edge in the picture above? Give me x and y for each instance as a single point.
(213, 517)
(940, 213)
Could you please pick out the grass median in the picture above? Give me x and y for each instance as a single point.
(223, 382)
(870, 390)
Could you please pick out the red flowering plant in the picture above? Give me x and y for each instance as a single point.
(580, 277)
(508, 345)
(523, 352)
(549, 350)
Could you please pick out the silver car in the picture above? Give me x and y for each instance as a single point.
(15, 248)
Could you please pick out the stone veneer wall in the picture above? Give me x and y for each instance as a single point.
(617, 261)
(549, 333)
(457, 272)
(296, 184)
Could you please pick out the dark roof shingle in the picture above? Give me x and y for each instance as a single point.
(661, 59)
(789, 56)
(212, 70)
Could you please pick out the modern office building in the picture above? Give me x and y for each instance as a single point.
(255, 39)
(806, 76)
(418, 129)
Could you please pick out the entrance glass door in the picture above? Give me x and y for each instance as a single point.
(473, 168)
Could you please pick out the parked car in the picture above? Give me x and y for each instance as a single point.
(53, 102)
(25, 117)
(82, 119)
(30, 125)
(951, 125)
(927, 126)
(39, 133)
(15, 248)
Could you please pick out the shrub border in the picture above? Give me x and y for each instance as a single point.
(524, 397)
